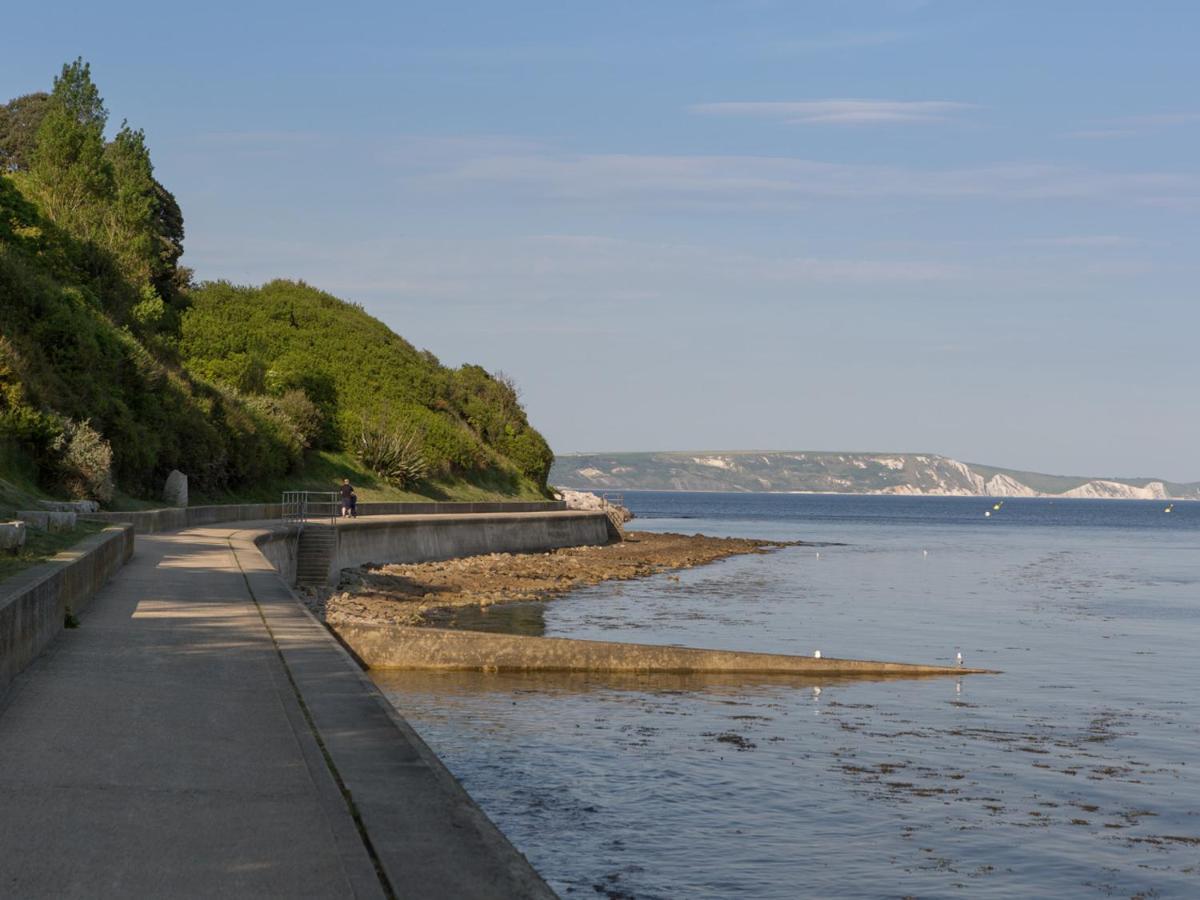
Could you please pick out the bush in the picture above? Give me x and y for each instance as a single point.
(392, 454)
(85, 462)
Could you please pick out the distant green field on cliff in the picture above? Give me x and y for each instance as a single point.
(818, 471)
(116, 368)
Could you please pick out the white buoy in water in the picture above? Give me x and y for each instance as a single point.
(816, 654)
(818, 554)
(988, 513)
(924, 552)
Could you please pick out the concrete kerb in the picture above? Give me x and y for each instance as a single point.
(428, 836)
(34, 603)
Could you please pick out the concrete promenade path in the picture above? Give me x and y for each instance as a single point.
(201, 735)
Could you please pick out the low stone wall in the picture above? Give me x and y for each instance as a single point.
(154, 521)
(402, 647)
(413, 538)
(34, 603)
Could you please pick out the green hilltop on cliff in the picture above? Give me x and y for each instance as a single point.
(115, 368)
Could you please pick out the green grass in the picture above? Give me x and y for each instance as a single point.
(41, 545)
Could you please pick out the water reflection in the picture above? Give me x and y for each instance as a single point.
(526, 618)
(476, 685)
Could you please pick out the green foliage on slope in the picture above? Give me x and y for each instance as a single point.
(106, 376)
(286, 336)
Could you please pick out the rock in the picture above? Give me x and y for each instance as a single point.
(81, 507)
(175, 492)
(12, 536)
(47, 519)
(587, 500)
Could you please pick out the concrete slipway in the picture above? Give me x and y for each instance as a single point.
(202, 735)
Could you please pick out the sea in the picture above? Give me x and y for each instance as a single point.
(1073, 772)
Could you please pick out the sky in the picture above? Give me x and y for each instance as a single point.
(965, 228)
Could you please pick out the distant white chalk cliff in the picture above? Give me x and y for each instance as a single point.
(848, 473)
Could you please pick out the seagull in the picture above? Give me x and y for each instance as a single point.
(816, 654)
(958, 657)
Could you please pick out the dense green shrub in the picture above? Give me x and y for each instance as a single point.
(114, 368)
(286, 335)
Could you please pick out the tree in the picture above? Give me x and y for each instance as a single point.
(69, 173)
(132, 216)
(19, 122)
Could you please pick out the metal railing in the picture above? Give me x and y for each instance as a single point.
(300, 507)
(611, 498)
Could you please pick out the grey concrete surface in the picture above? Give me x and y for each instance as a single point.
(34, 602)
(430, 837)
(402, 647)
(188, 741)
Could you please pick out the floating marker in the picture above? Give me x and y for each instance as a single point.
(816, 654)
(924, 552)
(988, 513)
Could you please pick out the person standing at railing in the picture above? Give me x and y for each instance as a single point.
(348, 498)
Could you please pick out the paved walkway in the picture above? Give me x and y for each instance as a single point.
(199, 735)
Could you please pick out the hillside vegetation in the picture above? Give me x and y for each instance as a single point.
(848, 473)
(115, 368)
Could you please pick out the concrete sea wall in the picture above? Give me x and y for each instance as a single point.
(33, 603)
(413, 538)
(426, 832)
(154, 521)
(402, 647)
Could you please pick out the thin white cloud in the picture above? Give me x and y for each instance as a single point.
(751, 181)
(1084, 241)
(1102, 134)
(842, 40)
(1133, 126)
(838, 111)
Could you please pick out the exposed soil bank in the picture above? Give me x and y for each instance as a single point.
(412, 594)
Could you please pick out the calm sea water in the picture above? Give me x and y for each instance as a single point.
(1075, 773)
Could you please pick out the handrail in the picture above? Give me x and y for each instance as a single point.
(300, 507)
(611, 498)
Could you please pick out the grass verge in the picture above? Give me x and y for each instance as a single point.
(41, 545)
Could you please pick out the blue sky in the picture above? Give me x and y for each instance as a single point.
(959, 227)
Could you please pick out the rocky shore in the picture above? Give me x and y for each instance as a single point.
(411, 594)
